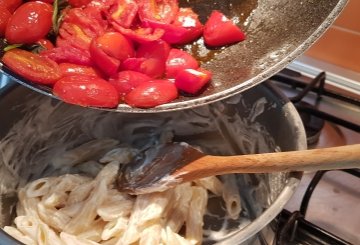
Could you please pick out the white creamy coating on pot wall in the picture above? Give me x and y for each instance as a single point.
(50, 129)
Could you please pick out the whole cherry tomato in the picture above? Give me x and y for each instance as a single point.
(151, 94)
(29, 23)
(45, 44)
(11, 5)
(179, 60)
(125, 81)
(45, 1)
(4, 18)
(86, 91)
(192, 81)
(68, 69)
(32, 66)
(220, 31)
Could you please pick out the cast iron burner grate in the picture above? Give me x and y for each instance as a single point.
(293, 228)
(313, 118)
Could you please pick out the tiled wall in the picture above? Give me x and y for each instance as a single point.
(340, 45)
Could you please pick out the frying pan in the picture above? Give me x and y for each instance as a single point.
(277, 32)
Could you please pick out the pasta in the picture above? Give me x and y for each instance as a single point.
(231, 196)
(89, 210)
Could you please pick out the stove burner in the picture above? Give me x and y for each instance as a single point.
(293, 228)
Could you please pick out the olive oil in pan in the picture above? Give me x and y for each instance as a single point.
(239, 11)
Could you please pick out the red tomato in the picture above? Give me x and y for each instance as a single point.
(140, 35)
(220, 31)
(29, 23)
(4, 18)
(79, 27)
(31, 66)
(154, 68)
(192, 81)
(125, 81)
(116, 45)
(68, 69)
(124, 12)
(78, 3)
(185, 28)
(179, 60)
(107, 64)
(86, 91)
(46, 44)
(158, 10)
(11, 5)
(158, 49)
(45, 1)
(152, 94)
(152, 57)
(77, 30)
(69, 54)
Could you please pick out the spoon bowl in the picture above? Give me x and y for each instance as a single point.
(166, 166)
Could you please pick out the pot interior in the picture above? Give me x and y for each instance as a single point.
(36, 130)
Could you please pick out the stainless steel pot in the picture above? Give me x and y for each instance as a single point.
(35, 129)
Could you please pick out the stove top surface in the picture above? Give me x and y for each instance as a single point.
(334, 204)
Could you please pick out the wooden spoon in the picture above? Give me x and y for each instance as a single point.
(168, 165)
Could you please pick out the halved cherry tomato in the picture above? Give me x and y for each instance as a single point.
(73, 35)
(107, 64)
(69, 54)
(68, 69)
(116, 45)
(86, 91)
(4, 18)
(125, 81)
(151, 58)
(158, 10)
(140, 35)
(220, 31)
(89, 20)
(192, 81)
(124, 12)
(154, 68)
(102, 6)
(158, 49)
(185, 29)
(29, 23)
(78, 3)
(179, 60)
(32, 66)
(79, 27)
(11, 5)
(152, 94)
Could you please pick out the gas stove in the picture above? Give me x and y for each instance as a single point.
(324, 210)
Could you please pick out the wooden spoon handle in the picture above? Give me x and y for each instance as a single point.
(342, 157)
